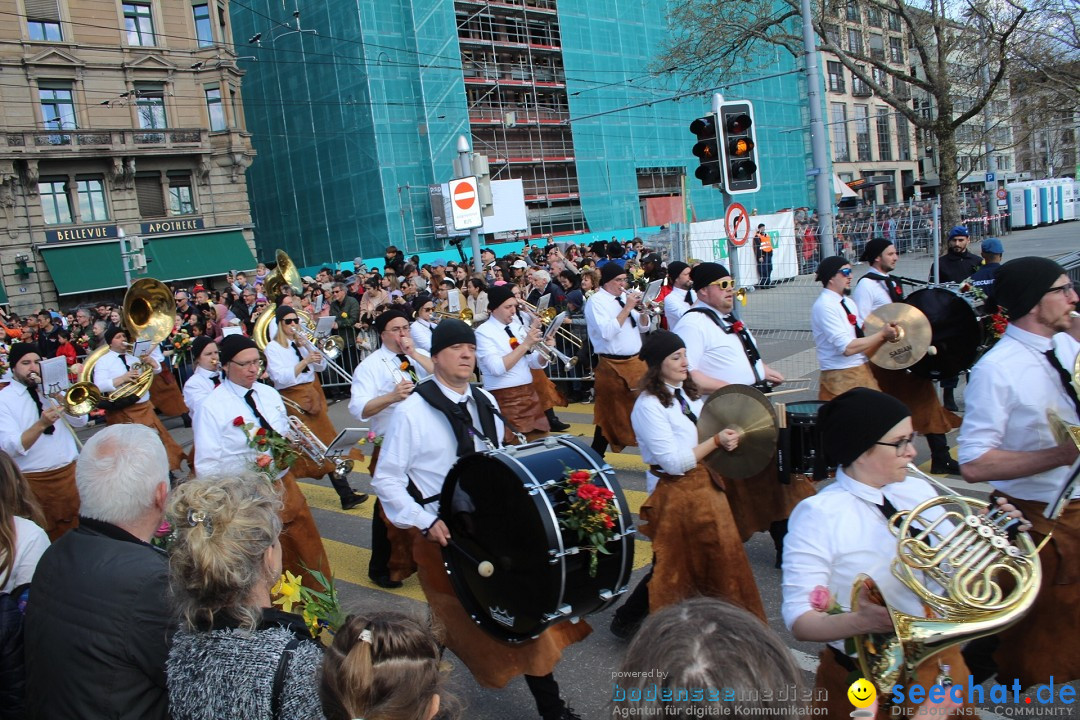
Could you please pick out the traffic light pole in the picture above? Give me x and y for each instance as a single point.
(733, 260)
(465, 160)
(822, 178)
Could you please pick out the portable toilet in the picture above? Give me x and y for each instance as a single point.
(1068, 198)
(1042, 198)
(1023, 205)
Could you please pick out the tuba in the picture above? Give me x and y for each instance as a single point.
(149, 315)
(962, 564)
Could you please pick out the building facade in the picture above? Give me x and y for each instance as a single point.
(118, 119)
(356, 119)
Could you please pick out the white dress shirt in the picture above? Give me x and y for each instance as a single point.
(608, 337)
(675, 305)
(870, 294)
(420, 445)
(377, 375)
(492, 344)
(17, 413)
(1011, 388)
(220, 446)
(837, 534)
(197, 388)
(833, 332)
(421, 334)
(716, 353)
(281, 363)
(111, 366)
(31, 542)
(666, 436)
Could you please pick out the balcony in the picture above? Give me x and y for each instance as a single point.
(125, 141)
(512, 116)
(511, 74)
(861, 89)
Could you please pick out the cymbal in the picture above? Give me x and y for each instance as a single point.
(747, 410)
(913, 342)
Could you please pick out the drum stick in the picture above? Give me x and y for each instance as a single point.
(776, 393)
(483, 567)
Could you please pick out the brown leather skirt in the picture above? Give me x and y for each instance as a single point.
(928, 415)
(522, 408)
(143, 414)
(492, 662)
(166, 394)
(547, 391)
(759, 501)
(616, 390)
(697, 546)
(301, 544)
(837, 382)
(58, 497)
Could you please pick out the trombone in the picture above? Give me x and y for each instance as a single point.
(310, 444)
(464, 314)
(545, 319)
(328, 349)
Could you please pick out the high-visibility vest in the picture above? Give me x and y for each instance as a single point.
(765, 242)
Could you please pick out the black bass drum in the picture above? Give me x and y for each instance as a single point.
(957, 332)
(501, 509)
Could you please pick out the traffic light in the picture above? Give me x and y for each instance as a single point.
(739, 154)
(482, 170)
(707, 150)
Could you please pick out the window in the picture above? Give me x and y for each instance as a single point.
(235, 105)
(894, 21)
(151, 198)
(903, 137)
(57, 106)
(896, 51)
(832, 34)
(139, 24)
(181, 200)
(1001, 108)
(836, 76)
(55, 204)
(215, 109)
(854, 41)
(1004, 162)
(150, 106)
(873, 16)
(880, 76)
(884, 142)
(862, 133)
(43, 20)
(852, 12)
(877, 46)
(859, 88)
(838, 120)
(204, 31)
(91, 194)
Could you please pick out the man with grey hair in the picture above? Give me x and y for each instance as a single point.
(98, 624)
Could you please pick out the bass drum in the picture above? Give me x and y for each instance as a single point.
(956, 336)
(500, 508)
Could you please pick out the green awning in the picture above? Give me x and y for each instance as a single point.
(96, 266)
(3, 294)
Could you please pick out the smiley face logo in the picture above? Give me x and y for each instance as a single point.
(862, 693)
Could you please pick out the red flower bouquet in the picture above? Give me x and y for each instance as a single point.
(591, 513)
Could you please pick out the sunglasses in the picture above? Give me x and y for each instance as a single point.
(291, 321)
(723, 283)
(846, 272)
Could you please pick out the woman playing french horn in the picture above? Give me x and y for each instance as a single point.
(844, 531)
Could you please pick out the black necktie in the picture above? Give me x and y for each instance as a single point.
(249, 398)
(889, 510)
(752, 354)
(37, 401)
(1066, 379)
(851, 319)
(685, 406)
(404, 360)
(299, 355)
(633, 323)
(463, 429)
(689, 297)
(123, 359)
(216, 378)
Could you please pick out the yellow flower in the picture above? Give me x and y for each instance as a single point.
(287, 591)
(312, 622)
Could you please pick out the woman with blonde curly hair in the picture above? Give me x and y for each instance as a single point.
(234, 655)
(382, 667)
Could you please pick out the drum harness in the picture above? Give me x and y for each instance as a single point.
(752, 354)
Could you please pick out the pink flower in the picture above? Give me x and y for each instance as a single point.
(263, 461)
(821, 599)
(371, 436)
(163, 529)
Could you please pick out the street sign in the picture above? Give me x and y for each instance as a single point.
(465, 204)
(737, 224)
(991, 177)
(1002, 194)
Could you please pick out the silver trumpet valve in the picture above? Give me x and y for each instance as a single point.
(310, 444)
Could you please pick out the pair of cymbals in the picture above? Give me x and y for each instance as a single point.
(741, 408)
(910, 346)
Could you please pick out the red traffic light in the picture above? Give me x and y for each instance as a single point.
(738, 123)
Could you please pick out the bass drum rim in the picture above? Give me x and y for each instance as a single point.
(956, 333)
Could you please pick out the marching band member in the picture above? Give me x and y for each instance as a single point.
(1006, 440)
(721, 351)
(615, 327)
(428, 431)
(844, 531)
(874, 289)
(842, 349)
(679, 296)
(291, 364)
(379, 384)
(684, 501)
(222, 446)
(549, 395)
(423, 321)
(506, 353)
(207, 375)
(33, 434)
(117, 368)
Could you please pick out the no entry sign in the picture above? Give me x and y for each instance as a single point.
(464, 204)
(737, 224)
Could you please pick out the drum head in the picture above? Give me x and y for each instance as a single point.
(801, 412)
(956, 333)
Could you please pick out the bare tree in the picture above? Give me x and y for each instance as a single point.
(962, 48)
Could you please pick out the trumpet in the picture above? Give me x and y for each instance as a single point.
(310, 444)
(554, 357)
(545, 319)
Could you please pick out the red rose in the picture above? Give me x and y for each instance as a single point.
(608, 522)
(597, 504)
(260, 432)
(262, 441)
(579, 477)
(737, 326)
(238, 421)
(852, 319)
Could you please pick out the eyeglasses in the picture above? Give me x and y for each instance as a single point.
(723, 283)
(245, 365)
(1063, 289)
(291, 321)
(901, 445)
(427, 308)
(846, 272)
(401, 329)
